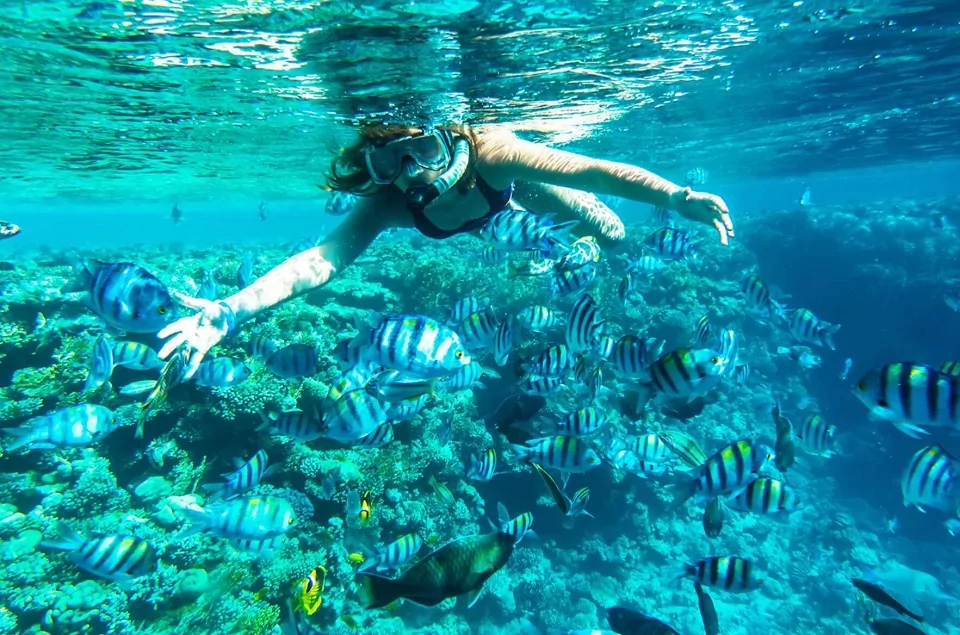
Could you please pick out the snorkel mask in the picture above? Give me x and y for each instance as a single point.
(433, 150)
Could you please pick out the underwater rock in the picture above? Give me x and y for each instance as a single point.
(194, 583)
(154, 488)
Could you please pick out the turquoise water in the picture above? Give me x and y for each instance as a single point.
(114, 112)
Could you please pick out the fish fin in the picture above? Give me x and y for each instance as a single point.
(478, 385)
(22, 437)
(473, 596)
(909, 429)
(491, 372)
(829, 331)
(376, 591)
(67, 538)
(503, 517)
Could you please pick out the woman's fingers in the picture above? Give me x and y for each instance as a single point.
(722, 230)
(173, 343)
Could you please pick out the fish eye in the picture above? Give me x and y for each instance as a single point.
(862, 386)
(458, 354)
(716, 360)
(162, 310)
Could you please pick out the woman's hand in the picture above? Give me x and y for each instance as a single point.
(704, 208)
(198, 332)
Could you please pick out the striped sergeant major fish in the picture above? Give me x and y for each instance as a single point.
(465, 307)
(221, 372)
(250, 518)
(730, 573)
(536, 385)
(760, 299)
(583, 422)
(816, 437)
(584, 326)
(135, 356)
(703, 336)
(72, 427)
(101, 365)
(687, 372)
(394, 555)
(728, 472)
(414, 344)
(381, 436)
(521, 230)
(353, 416)
(766, 496)
(566, 282)
(503, 341)
(807, 327)
(555, 361)
(483, 466)
(297, 424)
(632, 356)
(128, 297)
(562, 453)
(114, 557)
(672, 244)
(208, 289)
(261, 347)
(294, 361)
(517, 527)
(930, 480)
(477, 329)
(646, 266)
(245, 477)
(911, 396)
(538, 317)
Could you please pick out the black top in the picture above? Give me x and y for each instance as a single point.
(497, 199)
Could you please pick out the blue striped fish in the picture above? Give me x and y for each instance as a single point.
(115, 557)
(517, 527)
(248, 518)
(483, 466)
(604, 347)
(296, 424)
(766, 496)
(477, 330)
(646, 266)
(353, 416)
(406, 410)
(245, 477)
(704, 333)
(467, 378)
(816, 437)
(72, 427)
(413, 344)
(221, 372)
(807, 327)
(579, 501)
(294, 361)
(728, 471)
(261, 347)
(687, 373)
(565, 282)
(128, 297)
(391, 386)
(538, 317)
(625, 288)
(492, 256)
(381, 436)
(555, 361)
(521, 230)
(911, 396)
(632, 356)
(245, 272)
(583, 325)
(563, 453)
(395, 555)
(930, 480)
(135, 356)
(101, 365)
(671, 244)
(465, 307)
(583, 422)
(731, 573)
(759, 298)
(536, 385)
(503, 341)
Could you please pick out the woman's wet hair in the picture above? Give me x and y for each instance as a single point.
(348, 170)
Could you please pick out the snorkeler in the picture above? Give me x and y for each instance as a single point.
(443, 182)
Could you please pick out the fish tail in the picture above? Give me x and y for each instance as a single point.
(197, 521)
(829, 331)
(21, 437)
(682, 492)
(67, 538)
(517, 453)
(377, 591)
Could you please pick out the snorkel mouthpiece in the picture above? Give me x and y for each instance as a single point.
(419, 196)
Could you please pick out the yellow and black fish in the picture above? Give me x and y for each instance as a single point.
(309, 596)
(366, 509)
(170, 376)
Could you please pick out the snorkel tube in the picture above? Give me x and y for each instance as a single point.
(419, 196)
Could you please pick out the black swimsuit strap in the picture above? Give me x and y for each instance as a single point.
(497, 199)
